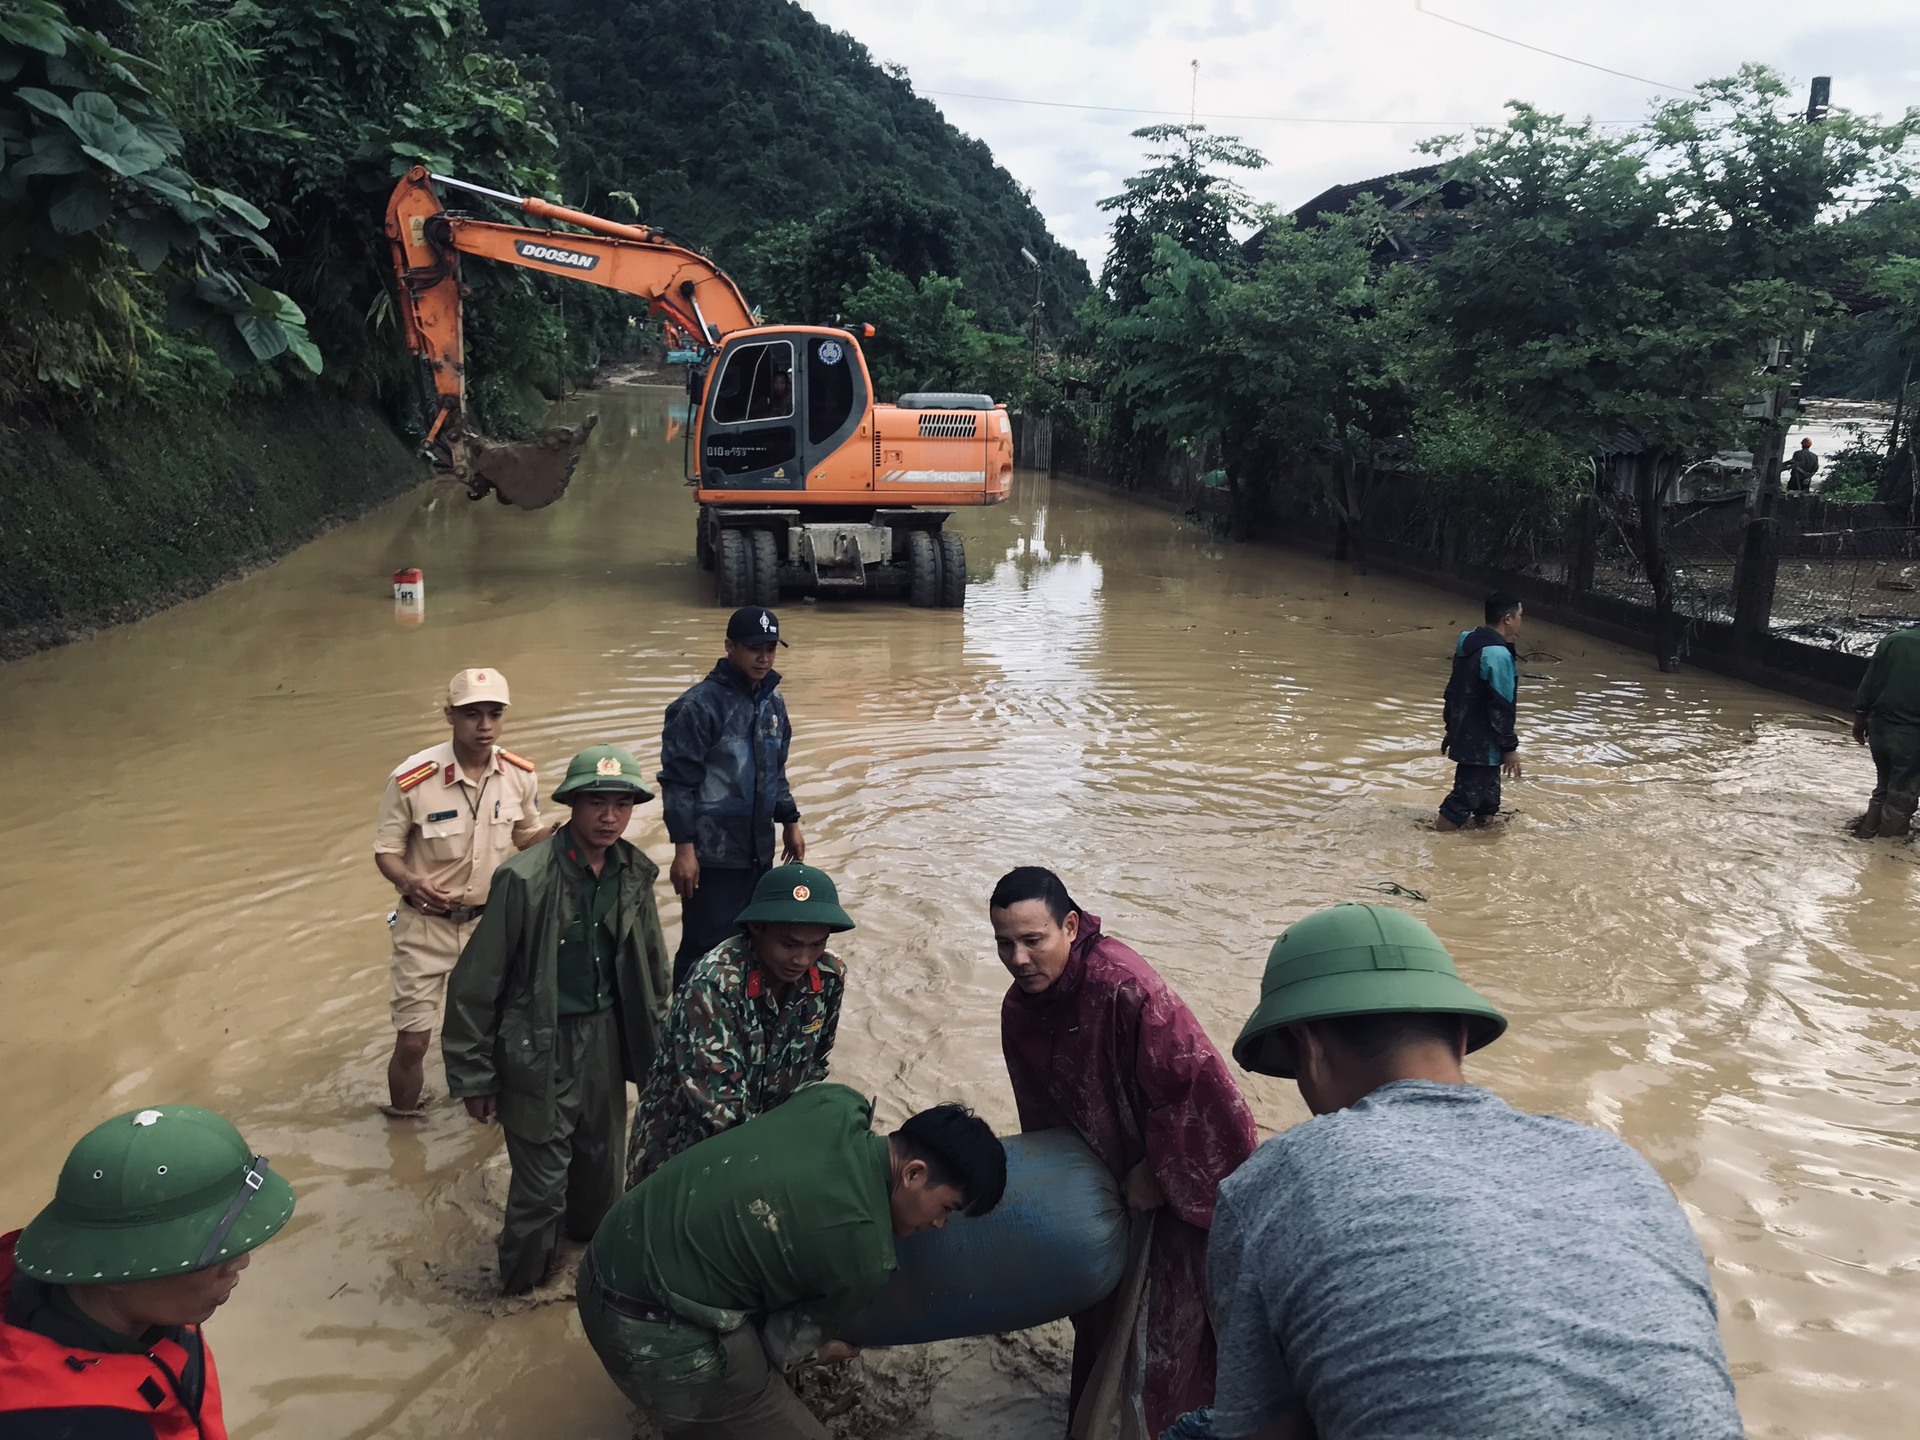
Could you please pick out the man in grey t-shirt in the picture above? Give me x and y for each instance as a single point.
(1421, 1261)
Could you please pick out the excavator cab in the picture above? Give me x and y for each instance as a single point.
(779, 403)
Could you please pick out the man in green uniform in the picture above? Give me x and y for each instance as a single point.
(554, 1005)
(102, 1296)
(737, 1259)
(1887, 720)
(751, 1023)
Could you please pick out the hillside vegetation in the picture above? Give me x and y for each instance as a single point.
(191, 202)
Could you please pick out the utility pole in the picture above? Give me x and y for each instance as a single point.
(1193, 95)
(1033, 315)
(1759, 563)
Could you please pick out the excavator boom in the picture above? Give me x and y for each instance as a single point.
(694, 295)
(805, 480)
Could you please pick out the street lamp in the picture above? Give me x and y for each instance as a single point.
(1033, 316)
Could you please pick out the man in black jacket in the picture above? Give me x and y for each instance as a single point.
(723, 780)
(1479, 710)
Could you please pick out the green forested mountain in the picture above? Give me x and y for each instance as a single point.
(727, 119)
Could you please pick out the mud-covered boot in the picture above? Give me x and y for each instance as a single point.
(1896, 816)
(1867, 826)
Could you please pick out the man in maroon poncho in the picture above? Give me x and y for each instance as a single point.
(1096, 1042)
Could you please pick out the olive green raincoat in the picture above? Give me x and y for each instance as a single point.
(503, 995)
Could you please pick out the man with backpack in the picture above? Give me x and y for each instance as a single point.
(1479, 711)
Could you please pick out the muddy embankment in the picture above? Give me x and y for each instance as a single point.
(107, 518)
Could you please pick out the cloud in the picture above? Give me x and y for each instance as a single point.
(1362, 60)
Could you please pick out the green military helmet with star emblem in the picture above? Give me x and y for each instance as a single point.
(796, 895)
(605, 768)
(154, 1192)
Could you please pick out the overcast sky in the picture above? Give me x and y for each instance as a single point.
(1350, 60)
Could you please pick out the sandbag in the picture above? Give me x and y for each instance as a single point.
(1055, 1244)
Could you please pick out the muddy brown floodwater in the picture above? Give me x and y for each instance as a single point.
(1206, 740)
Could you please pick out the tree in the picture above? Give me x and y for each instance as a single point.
(1303, 364)
(1184, 197)
(799, 272)
(728, 118)
(1186, 194)
(1600, 285)
(924, 339)
(92, 199)
(1504, 487)
(325, 103)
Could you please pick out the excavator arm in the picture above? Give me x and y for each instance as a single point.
(695, 297)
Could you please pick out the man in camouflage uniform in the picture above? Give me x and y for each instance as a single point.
(752, 1023)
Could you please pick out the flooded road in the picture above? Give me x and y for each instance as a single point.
(1206, 741)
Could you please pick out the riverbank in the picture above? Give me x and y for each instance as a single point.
(114, 517)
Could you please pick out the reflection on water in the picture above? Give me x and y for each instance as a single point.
(1207, 741)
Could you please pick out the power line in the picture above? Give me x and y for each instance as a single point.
(1421, 7)
(1274, 119)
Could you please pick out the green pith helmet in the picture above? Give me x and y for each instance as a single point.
(152, 1193)
(796, 895)
(605, 768)
(1357, 960)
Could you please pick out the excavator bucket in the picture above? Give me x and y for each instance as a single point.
(530, 474)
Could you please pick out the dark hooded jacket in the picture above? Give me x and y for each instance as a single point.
(723, 769)
(1479, 705)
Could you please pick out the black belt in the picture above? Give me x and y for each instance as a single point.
(615, 1303)
(458, 914)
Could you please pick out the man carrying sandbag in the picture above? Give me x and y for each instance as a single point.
(1097, 1043)
(736, 1260)
(753, 1021)
(1423, 1259)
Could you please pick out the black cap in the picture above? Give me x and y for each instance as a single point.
(754, 625)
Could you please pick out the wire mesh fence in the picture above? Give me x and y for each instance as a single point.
(1845, 574)
(1846, 588)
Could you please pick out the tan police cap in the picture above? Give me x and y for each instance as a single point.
(471, 687)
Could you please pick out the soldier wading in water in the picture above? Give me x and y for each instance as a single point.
(556, 1003)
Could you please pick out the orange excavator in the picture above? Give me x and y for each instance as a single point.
(805, 484)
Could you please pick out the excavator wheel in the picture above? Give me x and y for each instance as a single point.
(923, 569)
(766, 568)
(702, 546)
(953, 571)
(732, 570)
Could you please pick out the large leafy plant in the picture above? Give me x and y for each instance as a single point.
(88, 178)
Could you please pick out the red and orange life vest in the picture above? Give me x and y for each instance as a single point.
(47, 1388)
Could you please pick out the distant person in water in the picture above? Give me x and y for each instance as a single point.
(723, 785)
(1422, 1259)
(1802, 467)
(1479, 715)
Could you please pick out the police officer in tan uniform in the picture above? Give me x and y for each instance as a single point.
(451, 814)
